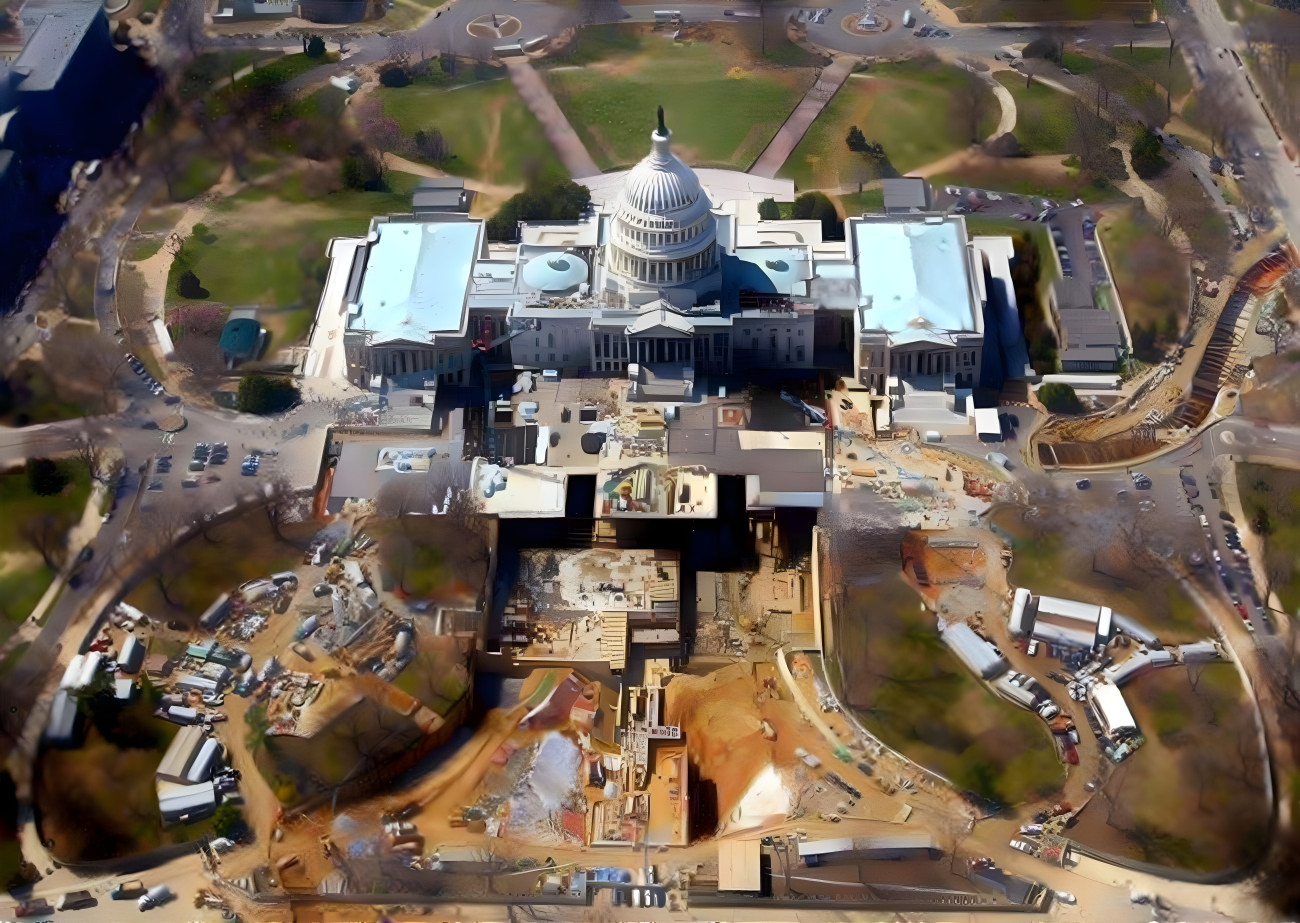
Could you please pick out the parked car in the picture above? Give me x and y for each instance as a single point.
(75, 900)
(34, 908)
(1031, 830)
(127, 890)
(1083, 483)
(1023, 846)
(1032, 648)
(321, 589)
(154, 897)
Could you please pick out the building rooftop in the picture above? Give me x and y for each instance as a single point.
(416, 279)
(56, 39)
(914, 277)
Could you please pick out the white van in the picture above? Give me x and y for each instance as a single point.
(154, 897)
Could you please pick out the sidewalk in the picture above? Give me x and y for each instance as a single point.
(532, 89)
(796, 125)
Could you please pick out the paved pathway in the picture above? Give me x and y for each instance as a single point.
(532, 89)
(791, 133)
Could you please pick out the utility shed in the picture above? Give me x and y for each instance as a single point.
(979, 656)
(739, 865)
(131, 656)
(1112, 711)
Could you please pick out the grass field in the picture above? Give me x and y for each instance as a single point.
(722, 104)
(23, 574)
(488, 130)
(207, 70)
(198, 571)
(868, 201)
(1270, 498)
(909, 689)
(1044, 117)
(907, 107)
(270, 248)
(1190, 798)
(1151, 275)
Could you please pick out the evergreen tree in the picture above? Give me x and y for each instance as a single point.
(768, 210)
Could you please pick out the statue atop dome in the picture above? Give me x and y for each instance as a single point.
(663, 130)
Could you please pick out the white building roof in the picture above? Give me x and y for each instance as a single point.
(416, 279)
(788, 269)
(977, 654)
(1111, 709)
(1069, 608)
(914, 278)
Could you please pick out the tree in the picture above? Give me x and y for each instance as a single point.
(263, 395)
(315, 47)
(395, 76)
(1273, 323)
(430, 145)
(46, 477)
(856, 140)
(91, 456)
(1148, 154)
(768, 210)
(818, 206)
(227, 821)
(1059, 397)
(97, 359)
(188, 285)
(543, 200)
(45, 533)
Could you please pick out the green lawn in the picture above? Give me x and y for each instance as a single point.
(489, 132)
(722, 106)
(209, 69)
(272, 253)
(1044, 117)
(862, 203)
(199, 174)
(907, 107)
(144, 247)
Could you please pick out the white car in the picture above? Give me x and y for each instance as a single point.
(1066, 897)
(993, 197)
(1024, 847)
(1032, 648)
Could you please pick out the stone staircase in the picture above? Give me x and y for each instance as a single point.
(613, 639)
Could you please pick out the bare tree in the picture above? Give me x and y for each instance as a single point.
(68, 270)
(95, 356)
(90, 453)
(45, 533)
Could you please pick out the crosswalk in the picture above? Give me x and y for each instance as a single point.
(168, 438)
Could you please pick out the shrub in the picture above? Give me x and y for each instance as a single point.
(768, 210)
(315, 47)
(817, 205)
(188, 286)
(1059, 398)
(856, 140)
(46, 477)
(394, 77)
(228, 822)
(1148, 154)
(262, 395)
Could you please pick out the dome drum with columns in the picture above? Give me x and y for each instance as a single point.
(663, 230)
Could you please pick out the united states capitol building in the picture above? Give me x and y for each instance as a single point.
(673, 282)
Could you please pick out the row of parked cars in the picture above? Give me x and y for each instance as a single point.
(155, 387)
(145, 898)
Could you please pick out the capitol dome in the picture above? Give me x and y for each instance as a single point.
(663, 232)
